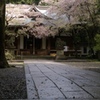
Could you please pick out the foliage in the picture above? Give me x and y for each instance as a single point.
(47, 2)
(23, 1)
(82, 16)
(36, 1)
(9, 55)
(77, 11)
(98, 6)
(44, 4)
(39, 30)
(9, 34)
(9, 41)
(60, 44)
(97, 46)
(97, 39)
(83, 20)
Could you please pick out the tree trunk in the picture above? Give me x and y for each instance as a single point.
(3, 61)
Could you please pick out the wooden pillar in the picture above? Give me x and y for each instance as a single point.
(48, 46)
(43, 43)
(33, 45)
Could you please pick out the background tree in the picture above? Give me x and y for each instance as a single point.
(3, 61)
(97, 46)
(36, 1)
(79, 12)
(98, 6)
(23, 1)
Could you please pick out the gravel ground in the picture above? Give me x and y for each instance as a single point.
(12, 83)
(92, 66)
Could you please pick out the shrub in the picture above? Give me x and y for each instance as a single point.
(97, 40)
(97, 46)
(9, 55)
(60, 44)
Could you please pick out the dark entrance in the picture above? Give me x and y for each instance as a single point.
(28, 44)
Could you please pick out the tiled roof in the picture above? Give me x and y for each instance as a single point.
(20, 14)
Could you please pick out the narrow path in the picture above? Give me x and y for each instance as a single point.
(32, 92)
(53, 82)
(50, 80)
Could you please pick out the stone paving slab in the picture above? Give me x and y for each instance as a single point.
(31, 90)
(47, 80)
(94, 91)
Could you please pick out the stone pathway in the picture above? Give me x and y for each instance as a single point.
(48, 80)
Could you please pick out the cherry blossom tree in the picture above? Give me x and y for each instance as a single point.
(66, 13)
(78, 12)
(39, 30)
(74, 10)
